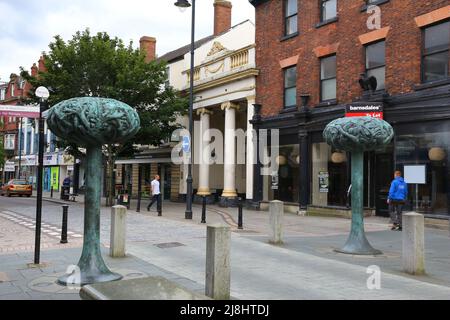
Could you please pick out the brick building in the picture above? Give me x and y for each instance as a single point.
(13, 92)
(317, 57)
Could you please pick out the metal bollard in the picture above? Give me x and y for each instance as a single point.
(240, 213)
(51, 192)
(203, 209)
(159, 205)
(64, 224)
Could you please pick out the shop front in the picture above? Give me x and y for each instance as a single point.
(421, 153)
(420, 149)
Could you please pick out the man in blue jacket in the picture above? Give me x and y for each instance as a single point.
(398, 193)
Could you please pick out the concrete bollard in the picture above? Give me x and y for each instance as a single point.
(413, 253)
(118, 231)
(276, 213)
(217, 284)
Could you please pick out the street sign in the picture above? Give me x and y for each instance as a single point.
(186, 144)
(42, 92)
(365, 109)
(28, 111)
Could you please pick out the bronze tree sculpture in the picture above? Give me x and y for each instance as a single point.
(356, 135)
(93, 122)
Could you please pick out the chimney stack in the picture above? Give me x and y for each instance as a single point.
(34, 70)
(222, 16)
(148, 46)
(42, 67)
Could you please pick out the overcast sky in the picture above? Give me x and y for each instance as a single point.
(28, 26)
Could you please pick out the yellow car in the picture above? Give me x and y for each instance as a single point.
(17, 187)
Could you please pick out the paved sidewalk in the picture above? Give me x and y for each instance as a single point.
(19, 281)
(305, 267)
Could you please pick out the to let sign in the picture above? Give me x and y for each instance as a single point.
(374, 110)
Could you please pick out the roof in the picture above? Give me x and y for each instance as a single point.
(180, 52)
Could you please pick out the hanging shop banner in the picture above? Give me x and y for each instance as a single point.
(323, 181)
(9, 166)
(19, 111)
(367, 109)
(10, 142)
(54, 176)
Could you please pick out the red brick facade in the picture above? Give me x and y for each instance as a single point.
(403, 47)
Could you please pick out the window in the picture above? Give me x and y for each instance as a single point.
(290, 17)
(435, 52)
(290, 87)
(376, 62)
(12, 90)
(328, 78)
(28, 146)
(2, 94)
(328, 9)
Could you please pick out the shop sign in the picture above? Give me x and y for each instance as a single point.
(19, 111)
(9, 166)
(29, 160)
(50, 159)
(368, 109)
(323, 181)
(66, 160)
(274, 184)
(54, 174)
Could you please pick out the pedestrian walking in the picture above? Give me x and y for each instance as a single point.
(398, 193)
(156, 193)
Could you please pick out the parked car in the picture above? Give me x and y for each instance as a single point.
(17, 187)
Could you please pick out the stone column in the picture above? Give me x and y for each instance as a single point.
(205, 152)
(118, 231)
(218, 271)
(413, 251)
(276, 213)
(250, 148)
(229, 168)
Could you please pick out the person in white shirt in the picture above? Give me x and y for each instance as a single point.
(156, 194)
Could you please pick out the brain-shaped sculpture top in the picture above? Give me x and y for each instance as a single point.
(358, 133)
(93, 121)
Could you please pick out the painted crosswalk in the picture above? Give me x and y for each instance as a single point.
(46, 228)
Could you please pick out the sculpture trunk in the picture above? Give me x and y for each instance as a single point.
(91, 264)
(357, 242)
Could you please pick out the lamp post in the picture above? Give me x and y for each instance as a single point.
(186, 4)
(43, 94)
(20, 148)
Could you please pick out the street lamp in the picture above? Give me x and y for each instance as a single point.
(43, 94)
(186, 4)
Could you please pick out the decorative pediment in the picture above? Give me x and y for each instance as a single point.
(216, 48)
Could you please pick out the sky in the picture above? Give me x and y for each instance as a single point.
(28, 26)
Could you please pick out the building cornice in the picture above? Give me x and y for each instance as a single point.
(220, 58)
(252, 72)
